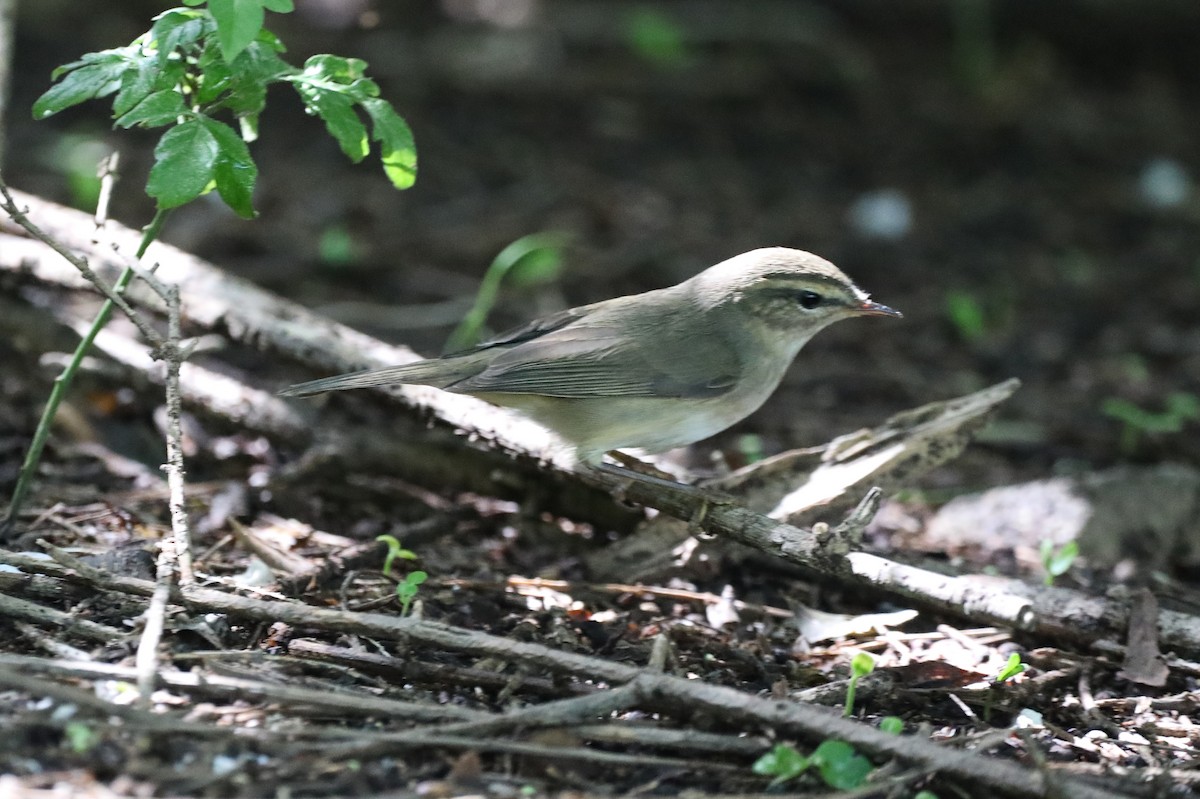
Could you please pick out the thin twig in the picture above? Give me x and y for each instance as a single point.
(113, 292)
(63, 381)
(205, 683)
(175, 554)
(174, 466)
(663, 693)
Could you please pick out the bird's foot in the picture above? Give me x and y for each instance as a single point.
(643, 472)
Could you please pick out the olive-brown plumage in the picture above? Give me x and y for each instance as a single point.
(653, 371)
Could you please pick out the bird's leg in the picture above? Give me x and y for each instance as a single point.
(630, 463)
(631, 471)
(628, 477)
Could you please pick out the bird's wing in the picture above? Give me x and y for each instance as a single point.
(588, 358)
(526, 332)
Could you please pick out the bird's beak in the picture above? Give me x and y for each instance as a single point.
(872, 308)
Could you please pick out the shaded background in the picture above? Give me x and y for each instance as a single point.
(1014, 176)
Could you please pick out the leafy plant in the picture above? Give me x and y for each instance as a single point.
(192, 66)
(530, 260)
(839, 765)
(394, 551)
(861, 665)
(1011, 669)
(406, 589)
(1181, 407)
(784, 763)
(1056, 562)
(196, 63)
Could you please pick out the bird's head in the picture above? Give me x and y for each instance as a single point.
(787, 295)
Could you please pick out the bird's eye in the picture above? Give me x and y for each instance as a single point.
(808, 299)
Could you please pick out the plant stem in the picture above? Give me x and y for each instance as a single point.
(63, 381)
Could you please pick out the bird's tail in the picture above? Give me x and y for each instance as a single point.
(434, 372)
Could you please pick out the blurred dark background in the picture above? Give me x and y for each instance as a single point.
(1017, 177)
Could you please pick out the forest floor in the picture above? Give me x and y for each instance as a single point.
(1044, 242)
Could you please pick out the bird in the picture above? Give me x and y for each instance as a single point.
(652, 371)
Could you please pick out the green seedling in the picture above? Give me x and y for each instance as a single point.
(1011, 669)
(529, 261)
(783, 763)
(394, 551)
(1056, 562)
(861, 665)
(406, 589)
(891, 724)
(839, 765)
(1180, 408)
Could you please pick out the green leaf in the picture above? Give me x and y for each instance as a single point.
(840, 766)
(538, 258)
(341, 120)
(235, 171)
(893, 725)
(95, 75)
(468, 330)
(861, 665)
(1011, 669)
(279, 6)
(177, 28)
(159, 108)
(184, 162)
(1184, 405)
(783, 763)
(397, 150)
(137, 82)
(1058, 562)
(238, 23)
(240, 86)
(216, 75)
(336, 69)
(393, 545)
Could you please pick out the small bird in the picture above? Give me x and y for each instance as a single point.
(651, 371)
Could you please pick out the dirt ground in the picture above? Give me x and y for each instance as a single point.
(1017, 177)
